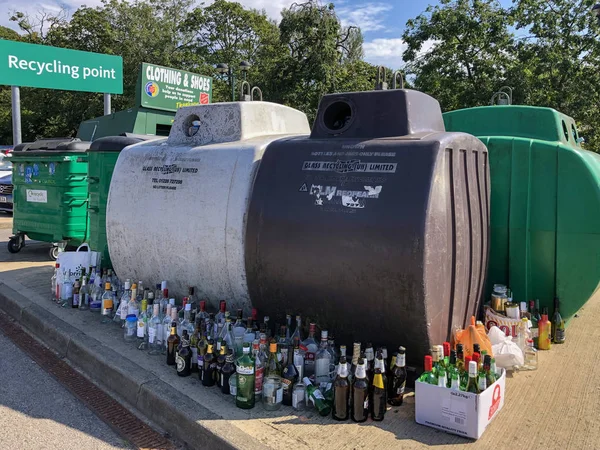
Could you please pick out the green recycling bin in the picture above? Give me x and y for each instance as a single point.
(544, 206)
(103, 154)
(50, 193)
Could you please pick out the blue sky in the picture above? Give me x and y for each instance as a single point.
(382, 22)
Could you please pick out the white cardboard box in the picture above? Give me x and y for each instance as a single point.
(457, 412)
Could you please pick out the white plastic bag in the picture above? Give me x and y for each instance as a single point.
(73, 262)
(507, 353)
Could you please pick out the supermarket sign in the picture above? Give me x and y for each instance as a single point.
(42, 66)
(169, 89)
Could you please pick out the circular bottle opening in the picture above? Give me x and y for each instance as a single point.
(191, 125)
(337, 116)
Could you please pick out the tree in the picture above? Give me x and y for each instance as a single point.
(471, 51)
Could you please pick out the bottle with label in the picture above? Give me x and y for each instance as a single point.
(142, 325)
(455, 382)
(490, 376)
(355, 356)
(260, 361)
(298, 331)
(75, 300)
(482, 379)
(227, 370)
(289, 378)
(558, 324)
(184, 356)
(249, 334)
(121, 313)
(322, 362)
(398, 378)
(272, 392)
(96, 294)
(210, 365)
(133, 307)
(84, 295)
(378, 392)
(221, 357)
(298, 358)
(194, 345)
(310, 347)
(172, 344)
(370, 361)
(442, 380)
(108, 301)
(202, 346)
(315, 395)
(427, 376)
(220, 319)
(359, 411)
(341, 392)
(66, 290)
(166, 328)
(472, 383)
(155, 335)
(130, 328)
(451, 367)
(245, 380)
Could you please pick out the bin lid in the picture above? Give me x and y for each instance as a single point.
(42, 146)
(118, 143)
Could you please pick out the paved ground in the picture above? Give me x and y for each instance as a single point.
(36, 412)
(556, 407)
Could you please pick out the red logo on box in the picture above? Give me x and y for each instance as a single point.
(204, 99)
(495, 401)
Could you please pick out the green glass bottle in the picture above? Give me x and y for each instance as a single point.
(244, 397)
(472, 384)
(558, 325)
(428, 376)
(487, 368)
(314, 393)
(452, 368)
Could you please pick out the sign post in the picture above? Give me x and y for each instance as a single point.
(16, 114)
(169, 89)
(42, 66)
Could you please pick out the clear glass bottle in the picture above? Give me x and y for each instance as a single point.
(298, 357)
(142, 325)
(155, 332)
(133, 307)
(298, 330)
(186, 324)
(166, 324)
(272, 395)
(121, 313)
(220, 319)
(55, 294)
(84, 295)
(259, 368)
(530, 356)
(96, 293)
(249, 334)
(239, 330)
(310, 348)
(66, 290)
(108, 301)
(76, 299)
(322, 363)
(130, 328)
(299, 397)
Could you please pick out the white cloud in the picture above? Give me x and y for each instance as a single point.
(368, 16)
(388, 52)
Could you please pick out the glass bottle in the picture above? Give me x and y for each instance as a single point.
(298, 357)
(186, 323)
(166, 327)
(341, 392)
(442, 380)
(359, 411)
(298, 331)
(315, 395)
(398, 377)
(482, 379)
(76, 299)
(322, 362)
(202, 346)
(558, 324)
(220, 319)
(530, 356)
(299, 397)
(490, 377)
(272, 392)
(84, 295)
(121, 313)
(129, 328)
(544, 338)
(194, 345)
(310, 349)
(245, 380)
(108, 301)
(266, 326)
(290, 377)
(255, 327)
(172, 344)
(460, 358)
(355, 357)
(260, 361)
(155, 335)
(210, 364)
(221, 361)
(464, 375)
(370, 361)
(282, 344)
(66, 290)
(249, 334)
(378, 392)
(55, 292)
(427, 376)
(227, 370)
(133, 307)
(239, 330)
(472, 384)
(142, 325)
(96, 293)
(184, 356)
(226, 333)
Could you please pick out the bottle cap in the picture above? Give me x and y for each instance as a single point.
(163, 285)
(134, 286)
(324, 335)
(107, 286)
(446, 348)
(127, 285)
(131, 318)
(188, 307)
(487, 360)
(467, 361)
(273, 347)
(222, 306)
(190, 290)
(254, 314)
(312, 327)
(476, 357)
(428, 363)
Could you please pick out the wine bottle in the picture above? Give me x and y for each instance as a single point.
(315, 394)
(472, 385)
(558, 325)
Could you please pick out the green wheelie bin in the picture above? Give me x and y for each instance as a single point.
(50, 193)
(103, 154)
(545, 203)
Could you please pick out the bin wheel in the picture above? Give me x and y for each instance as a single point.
(15, 244)
(53, 253)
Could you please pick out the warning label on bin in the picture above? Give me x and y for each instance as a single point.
(36, 196)
(354, 165)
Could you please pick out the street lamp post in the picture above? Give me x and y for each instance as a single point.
(224, 69)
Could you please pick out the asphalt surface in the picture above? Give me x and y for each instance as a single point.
(36, 412)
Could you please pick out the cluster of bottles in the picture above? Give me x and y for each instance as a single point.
(454, 370)
(248, 361)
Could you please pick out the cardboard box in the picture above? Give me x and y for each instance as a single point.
(457, 412)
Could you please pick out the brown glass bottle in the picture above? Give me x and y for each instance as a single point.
(221, 362)
(341, 392)
(210, 364)
(378, 393)
(398, 379)
(227, 370)
(184, 356)
(172, 344)
(360, 393)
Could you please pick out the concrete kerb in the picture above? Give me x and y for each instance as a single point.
(144, 391)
